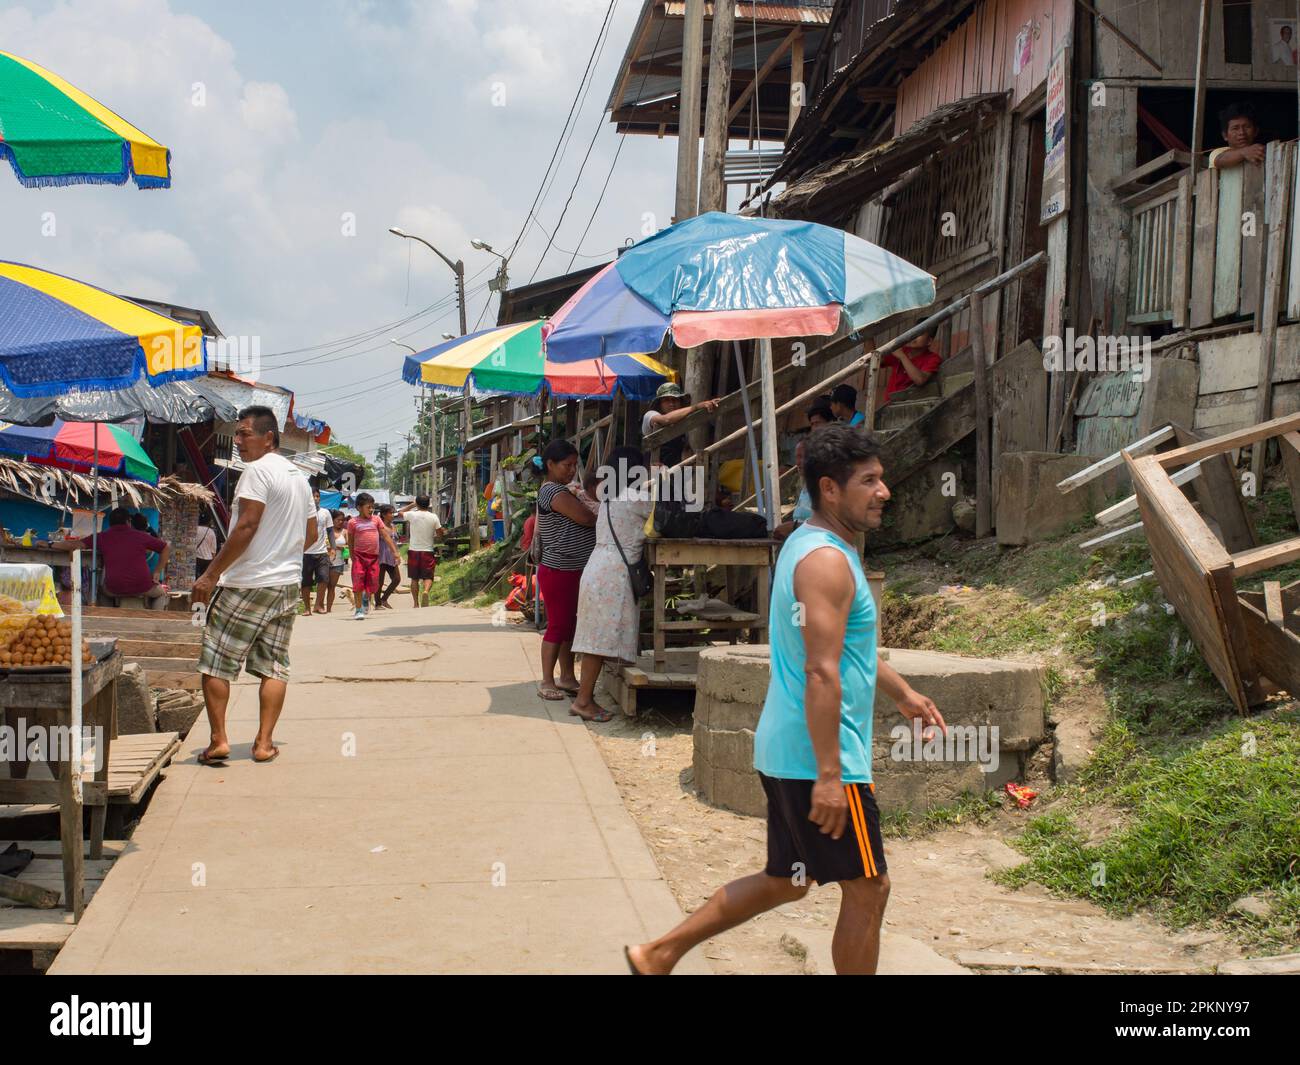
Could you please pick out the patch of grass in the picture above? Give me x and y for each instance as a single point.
(969, 809)
(461, 579)
(1206, 826)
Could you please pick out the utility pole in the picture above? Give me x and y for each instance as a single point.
(688, 114)
(382, 454)
(713, 190)
(457, 268)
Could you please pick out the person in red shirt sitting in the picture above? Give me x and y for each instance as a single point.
(910, 366)
(124, 552)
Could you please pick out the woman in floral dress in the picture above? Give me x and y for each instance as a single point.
(608, 615)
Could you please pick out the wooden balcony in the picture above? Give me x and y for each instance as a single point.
(1200, 257)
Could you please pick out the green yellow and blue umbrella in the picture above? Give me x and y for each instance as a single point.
(510, 360)
(54, 134)
(58, 335)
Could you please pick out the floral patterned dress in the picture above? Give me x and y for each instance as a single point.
(608, 616)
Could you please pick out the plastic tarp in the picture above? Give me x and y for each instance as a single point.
(175, 403)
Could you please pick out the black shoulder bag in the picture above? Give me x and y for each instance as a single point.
(639, 574)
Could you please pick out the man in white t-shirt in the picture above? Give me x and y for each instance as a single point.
(423, 525)
(317, 558)
(255, 577)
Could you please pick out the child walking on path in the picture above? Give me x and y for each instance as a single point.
(364, 533)
(388, 559)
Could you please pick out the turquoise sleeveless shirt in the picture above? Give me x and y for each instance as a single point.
(782, 746)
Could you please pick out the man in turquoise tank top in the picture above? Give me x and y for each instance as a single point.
(812, 748)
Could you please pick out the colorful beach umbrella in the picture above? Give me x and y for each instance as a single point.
(83, 447)
(54, 134)
(727, 277)
(59, 335)
(509, 360)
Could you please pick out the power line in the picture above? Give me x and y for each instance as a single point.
(556, 152)
(654, 50)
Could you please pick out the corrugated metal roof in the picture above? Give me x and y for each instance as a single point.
(810, 14)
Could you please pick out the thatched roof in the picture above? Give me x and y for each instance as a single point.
(26, 480)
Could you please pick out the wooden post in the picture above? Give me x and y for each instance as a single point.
(713, 192)
(771, 472)
(797, 91)
(1279, 175)
(873, 371)
(1183, 293)
(70, 790)
(688, 114)
(471, 472)
(983, 442)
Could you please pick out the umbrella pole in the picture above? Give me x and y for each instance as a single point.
(94, 523)
(760, 493)
(771, 472)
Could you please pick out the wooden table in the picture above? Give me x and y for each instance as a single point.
(45, 556)
(729, 553)
(44, 699)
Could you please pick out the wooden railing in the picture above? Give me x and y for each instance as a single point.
(1152, 241)
(1200, 258)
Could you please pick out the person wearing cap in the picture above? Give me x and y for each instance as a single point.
(670, 406)
(844, 405)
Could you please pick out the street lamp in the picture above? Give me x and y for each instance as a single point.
(394, 340)
(457, 268)
(498, 283)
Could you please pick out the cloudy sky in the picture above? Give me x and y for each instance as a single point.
(285, 119)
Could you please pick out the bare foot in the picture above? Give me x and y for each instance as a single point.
(550, 693)
(265, 754)
(644, 963)
(568, 684)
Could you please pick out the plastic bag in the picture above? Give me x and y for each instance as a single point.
(28, 587)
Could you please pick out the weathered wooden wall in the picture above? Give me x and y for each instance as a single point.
(980, 57)
(1166, 30)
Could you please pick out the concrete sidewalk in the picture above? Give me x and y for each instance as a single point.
(428, 813)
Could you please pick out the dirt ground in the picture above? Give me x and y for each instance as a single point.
(941, 892)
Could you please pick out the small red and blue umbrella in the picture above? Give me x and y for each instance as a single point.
(83, 447)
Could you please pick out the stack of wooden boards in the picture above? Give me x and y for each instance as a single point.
(1249, 640)
(164, 642)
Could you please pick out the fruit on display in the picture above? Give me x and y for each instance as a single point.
(40, 640)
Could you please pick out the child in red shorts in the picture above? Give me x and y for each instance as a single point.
(364, 532)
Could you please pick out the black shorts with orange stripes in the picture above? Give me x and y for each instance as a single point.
(797, 847)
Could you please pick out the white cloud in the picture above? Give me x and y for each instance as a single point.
(312, 110)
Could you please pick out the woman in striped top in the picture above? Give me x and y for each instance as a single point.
(567, 530)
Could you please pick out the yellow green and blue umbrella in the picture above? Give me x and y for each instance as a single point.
(510, 360)
(58, 335)
(54, 134)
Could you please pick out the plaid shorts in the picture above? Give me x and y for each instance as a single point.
(249, 627)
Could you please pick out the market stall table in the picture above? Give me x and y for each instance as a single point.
(43, 698)
(662, 553)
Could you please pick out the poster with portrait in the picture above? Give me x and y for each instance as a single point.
(1282, 42)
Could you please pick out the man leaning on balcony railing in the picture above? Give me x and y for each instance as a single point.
(1240, 129)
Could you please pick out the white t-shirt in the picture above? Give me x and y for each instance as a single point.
(422, 525)
(274, 557)
(324, 522)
